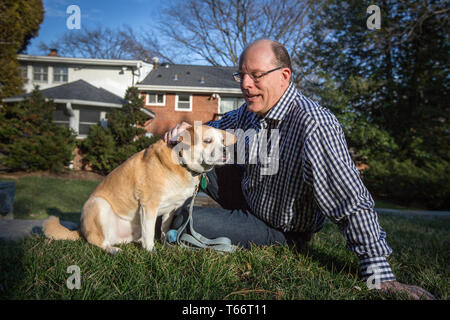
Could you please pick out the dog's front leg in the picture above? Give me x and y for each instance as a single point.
(166, 223)
(148, 223)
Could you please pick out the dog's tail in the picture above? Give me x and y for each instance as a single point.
(53, 229)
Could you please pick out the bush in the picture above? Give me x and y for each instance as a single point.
(106, 148)
(406, 182)
(30, 141)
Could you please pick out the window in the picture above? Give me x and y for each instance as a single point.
(40, 73)
(230, 103)
(88, 118)
(61, 116)
(183, 102)
(24, 72)
(156, 99)
(60, 74)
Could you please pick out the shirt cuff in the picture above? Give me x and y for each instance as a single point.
(377, 269)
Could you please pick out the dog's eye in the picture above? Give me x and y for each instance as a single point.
(207, 140)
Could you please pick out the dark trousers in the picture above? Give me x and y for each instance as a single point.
(234, 220)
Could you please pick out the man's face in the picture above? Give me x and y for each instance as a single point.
(263, 94)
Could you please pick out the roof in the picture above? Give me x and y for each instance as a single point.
(80, 92)
(58, 59)
(181, 75)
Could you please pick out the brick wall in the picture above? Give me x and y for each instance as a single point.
(204, 109)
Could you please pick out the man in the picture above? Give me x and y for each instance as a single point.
(315, 177)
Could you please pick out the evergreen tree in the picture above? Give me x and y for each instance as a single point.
(105, 148)
(389, 87)
(30, 140)
(19, 22)
(394, 78)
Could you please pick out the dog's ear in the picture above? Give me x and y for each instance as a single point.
(228, 138)
(179, 139)
(176, 140)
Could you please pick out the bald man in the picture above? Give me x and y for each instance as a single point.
(313, 175)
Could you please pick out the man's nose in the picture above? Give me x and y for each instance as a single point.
(246, 81)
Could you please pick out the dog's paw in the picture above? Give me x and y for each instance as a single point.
(152, 251)
(150, 248)
(113, 250)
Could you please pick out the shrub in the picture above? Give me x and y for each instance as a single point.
(406, 182)
(105, 148)
(29, 140)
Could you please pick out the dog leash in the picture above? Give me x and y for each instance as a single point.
(195, 240)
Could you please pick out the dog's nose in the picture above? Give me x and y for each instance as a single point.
(225, 154)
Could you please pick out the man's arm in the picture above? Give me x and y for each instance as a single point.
(228, 121)
(342, 197)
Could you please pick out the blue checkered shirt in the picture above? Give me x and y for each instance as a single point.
(315, 178)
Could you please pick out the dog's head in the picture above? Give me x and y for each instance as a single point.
(201, 147)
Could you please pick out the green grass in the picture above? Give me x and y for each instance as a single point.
(36, 268)
(37, 198)
(388, 204)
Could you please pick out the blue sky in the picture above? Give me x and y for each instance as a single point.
(108, 13)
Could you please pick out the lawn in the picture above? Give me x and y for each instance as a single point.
(36, 268)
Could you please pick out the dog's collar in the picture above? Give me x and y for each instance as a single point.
(192, 172)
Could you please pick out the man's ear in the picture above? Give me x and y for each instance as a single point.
(286, 74)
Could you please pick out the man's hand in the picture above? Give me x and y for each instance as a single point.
(171, 136)
(414, 292)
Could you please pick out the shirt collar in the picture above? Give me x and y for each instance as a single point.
(281, 108)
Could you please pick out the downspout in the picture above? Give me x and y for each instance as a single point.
(72, 124)
(72, 120)
(138, 69)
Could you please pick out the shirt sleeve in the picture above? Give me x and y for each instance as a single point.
(229, 120)
(342, 197)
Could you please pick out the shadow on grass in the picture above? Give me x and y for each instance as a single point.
(332, 263)
(69, 216)
(13, 272)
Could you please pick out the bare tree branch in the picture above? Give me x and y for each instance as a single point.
(106, 43)
(218, 30)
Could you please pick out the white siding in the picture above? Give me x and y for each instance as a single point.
(114, 78)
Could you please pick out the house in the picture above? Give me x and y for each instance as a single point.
(78, 104)
(178, 92)
(52, 70)
(84, 90)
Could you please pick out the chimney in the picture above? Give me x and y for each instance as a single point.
(155, 63)
(53, 53)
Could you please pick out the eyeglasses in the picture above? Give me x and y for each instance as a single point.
(239, 76)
